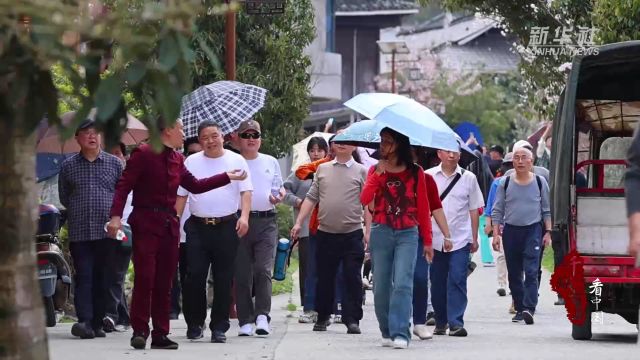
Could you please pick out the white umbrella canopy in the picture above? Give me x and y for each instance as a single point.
(51, 142)
(300, 155)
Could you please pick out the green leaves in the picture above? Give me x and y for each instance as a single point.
(108, 97)
(169, 53)
(270, 55)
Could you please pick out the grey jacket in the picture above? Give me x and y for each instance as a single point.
(632, 177)
(297, 189)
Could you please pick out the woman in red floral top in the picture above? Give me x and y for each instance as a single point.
(396, 191)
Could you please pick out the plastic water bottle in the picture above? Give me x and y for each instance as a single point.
(120, 235)
(282, 254)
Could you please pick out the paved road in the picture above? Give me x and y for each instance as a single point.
(491, 336)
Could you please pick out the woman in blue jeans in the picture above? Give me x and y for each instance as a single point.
(395, 193)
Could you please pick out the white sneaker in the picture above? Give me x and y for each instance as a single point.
(400, 343)
(422, 331)
(386, 342)
(246, 330)
(262, 325)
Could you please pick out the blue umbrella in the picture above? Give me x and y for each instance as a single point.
(464, 129)
(364, 133)
(421, 125)
(371, 104)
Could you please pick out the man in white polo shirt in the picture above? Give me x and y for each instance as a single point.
(213, 230)
(256, 254)
(461, 199)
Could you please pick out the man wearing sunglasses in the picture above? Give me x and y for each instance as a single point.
(256, 252)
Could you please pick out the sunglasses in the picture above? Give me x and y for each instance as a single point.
(251, 135)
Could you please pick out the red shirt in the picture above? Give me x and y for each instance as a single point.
(154, 179)
(399, 202)
(432, 193)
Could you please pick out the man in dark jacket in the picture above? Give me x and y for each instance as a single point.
(154, 178)
(632, 191)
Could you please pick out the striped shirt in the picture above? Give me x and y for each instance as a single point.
(86, 190)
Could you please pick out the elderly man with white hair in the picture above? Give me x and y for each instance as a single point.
(522, 206)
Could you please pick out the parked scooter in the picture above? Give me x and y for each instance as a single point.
(54, 272)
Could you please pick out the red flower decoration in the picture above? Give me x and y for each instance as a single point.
(568, 281)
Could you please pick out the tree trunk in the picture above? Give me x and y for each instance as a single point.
(22, 330)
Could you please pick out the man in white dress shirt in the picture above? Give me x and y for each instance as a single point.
(461, 199)
(213, 231)
(256, 254)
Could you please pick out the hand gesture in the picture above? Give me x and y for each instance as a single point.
(237, 174)
(546, 239)
(381, 167)
(242, 226)
(295, 231)
(448, 245)
(497, 239)
(113, 226)
(427, 252)
(487, 229)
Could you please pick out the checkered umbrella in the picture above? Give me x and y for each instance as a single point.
(226, 102)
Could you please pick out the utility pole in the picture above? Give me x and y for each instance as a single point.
(230, 42)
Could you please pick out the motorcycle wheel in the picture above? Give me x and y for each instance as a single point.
(49, 311)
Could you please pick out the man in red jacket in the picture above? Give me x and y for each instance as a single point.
(154, 179)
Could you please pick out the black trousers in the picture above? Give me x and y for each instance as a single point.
(331, 250)
(177, 291)
(118, 259)
(212, 246)
(94, 273)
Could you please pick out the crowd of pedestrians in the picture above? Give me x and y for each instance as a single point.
(211, 216)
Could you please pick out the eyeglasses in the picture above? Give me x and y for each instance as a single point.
(521, 158)
(251, 135)
(393, 183)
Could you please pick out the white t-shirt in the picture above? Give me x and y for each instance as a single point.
(128, 208)
(266, 179)
(224, 200)
(185, 215)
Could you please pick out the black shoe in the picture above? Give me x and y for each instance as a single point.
(195, 333)
(502, 292)
(440, 330)
(174, 316)
(528, 317)
(431, 318)
(138, 341)
(163, 343)
(99, 333)
(560, 301)
(321, 325)
(83, 331)
(517, 317)
(108, 325)
(218, 336)
(353, 328)
(459, 331)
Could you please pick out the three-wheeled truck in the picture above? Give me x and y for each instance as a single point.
(596, 117)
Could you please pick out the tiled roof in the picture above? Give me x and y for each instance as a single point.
(437, 22)
(374, 5)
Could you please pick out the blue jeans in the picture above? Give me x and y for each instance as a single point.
(522, 253)
(420, 287)
(449, 286)
(393, 254)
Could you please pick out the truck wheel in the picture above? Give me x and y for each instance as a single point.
(49, 311)
(582, 332)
